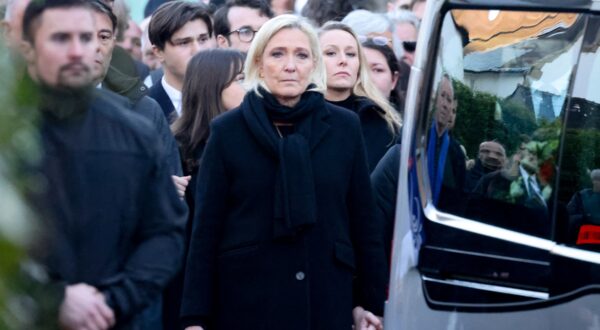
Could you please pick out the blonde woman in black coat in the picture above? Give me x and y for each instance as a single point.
(284, 233)
(350, 86)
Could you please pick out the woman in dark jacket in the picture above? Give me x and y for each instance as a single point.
(349, 86)
(284, 234)
(202, 100)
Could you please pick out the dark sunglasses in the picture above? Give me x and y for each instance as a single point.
(409, 46)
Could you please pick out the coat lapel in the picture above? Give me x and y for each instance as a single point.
(320, 127)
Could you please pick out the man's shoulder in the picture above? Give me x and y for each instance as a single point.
(116, 113)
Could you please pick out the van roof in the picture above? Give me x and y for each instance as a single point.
(545, 5)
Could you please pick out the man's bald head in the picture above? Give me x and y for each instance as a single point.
(492, 155)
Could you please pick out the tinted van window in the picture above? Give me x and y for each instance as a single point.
(497, 110)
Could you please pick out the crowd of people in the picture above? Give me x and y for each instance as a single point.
(210, 167)
(234, 164)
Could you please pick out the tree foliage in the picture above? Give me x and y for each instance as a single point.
(27, 300)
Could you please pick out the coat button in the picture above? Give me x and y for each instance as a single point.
(300, 276)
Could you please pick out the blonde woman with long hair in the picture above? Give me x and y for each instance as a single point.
(349, 86)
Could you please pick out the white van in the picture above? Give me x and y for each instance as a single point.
(498, 209)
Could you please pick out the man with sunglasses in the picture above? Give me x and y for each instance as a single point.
(237, 22)
(406, 30)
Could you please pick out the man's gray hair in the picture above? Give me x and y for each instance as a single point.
(404, 16)
(364, 22)
(595, 174)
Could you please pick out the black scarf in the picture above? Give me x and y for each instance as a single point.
(295, 201)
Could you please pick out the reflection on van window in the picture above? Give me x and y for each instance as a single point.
(579, 179)
(494, 157)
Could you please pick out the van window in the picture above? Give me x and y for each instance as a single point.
(496, 114)
(579, 179)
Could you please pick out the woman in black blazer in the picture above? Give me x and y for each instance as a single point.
(284, 232)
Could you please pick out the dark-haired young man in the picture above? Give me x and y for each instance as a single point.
(114, 219)
(178, 30)
(237, 22)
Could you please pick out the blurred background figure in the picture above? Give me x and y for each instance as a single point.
(398, 5)
(418, 8)
(132, 40)
(384, 72)
(12, 24)
(584, 209)
(319, 11)
(376, 26)
(406, 31)
(281, 7)
(237, 22)
(491, 157)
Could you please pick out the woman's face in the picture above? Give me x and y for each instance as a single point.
(286, 65)
(233, 94)
(380, 72)
(340, 53)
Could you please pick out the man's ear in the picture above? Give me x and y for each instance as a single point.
(28, 51)
(222, 41)
(158, 53)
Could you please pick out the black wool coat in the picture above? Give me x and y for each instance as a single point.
(376, 132)
(239, 277)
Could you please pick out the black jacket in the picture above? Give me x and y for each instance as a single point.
(238, 276)
(149, 109)
(115, 218)
(378, 136)
(385, 189)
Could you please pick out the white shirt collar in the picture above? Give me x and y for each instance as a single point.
(173, 94)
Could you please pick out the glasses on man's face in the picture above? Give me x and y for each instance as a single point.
(379, 40)
(409, 46)
(245, 33)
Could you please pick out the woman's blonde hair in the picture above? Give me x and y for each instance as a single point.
(252, 73)
(364, 86)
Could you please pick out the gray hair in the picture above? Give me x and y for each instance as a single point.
(364, 22)
(404, 16)
(595, 174)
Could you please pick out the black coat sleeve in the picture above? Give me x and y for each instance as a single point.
(366, 232)
(385, 188)
(210, 208)
(158, 243)
(150, 109)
